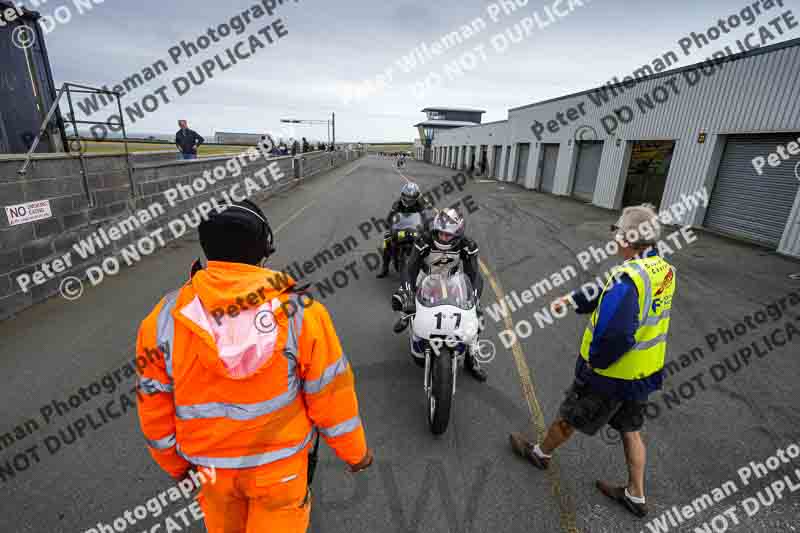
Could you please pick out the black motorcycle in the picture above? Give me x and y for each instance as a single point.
(405, 230)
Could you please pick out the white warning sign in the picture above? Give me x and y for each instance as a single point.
(29, 212)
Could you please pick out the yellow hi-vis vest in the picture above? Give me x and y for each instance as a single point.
(655, 284)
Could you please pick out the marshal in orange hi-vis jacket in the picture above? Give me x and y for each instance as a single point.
(244, 394)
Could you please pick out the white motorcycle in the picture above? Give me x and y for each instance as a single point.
(444, 327)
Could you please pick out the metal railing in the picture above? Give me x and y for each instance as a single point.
(68, 89)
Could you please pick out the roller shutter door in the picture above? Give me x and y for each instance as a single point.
(549, 163)
(523, 152)
(497, 155)
(589, 155)
(746, 205)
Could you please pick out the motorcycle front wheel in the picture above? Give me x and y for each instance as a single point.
(440, 395)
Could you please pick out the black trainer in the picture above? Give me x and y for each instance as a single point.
(524, 448)
(618, 495)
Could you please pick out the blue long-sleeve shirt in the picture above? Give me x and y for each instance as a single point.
(614, 335)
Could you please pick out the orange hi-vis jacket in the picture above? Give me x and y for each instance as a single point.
(247, 369)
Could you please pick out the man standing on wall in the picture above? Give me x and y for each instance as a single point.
(187, 141)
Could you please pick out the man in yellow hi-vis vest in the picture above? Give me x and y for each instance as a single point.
(621, 356)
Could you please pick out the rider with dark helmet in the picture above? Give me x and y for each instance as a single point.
(447, 241)
(410, 202)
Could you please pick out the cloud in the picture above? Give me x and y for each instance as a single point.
(335, 45)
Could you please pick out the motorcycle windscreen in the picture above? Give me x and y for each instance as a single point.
(441, 289)
(409, 221)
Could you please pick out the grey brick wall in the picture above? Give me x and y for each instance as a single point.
(103, 201)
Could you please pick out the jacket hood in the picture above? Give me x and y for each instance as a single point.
(237, 312)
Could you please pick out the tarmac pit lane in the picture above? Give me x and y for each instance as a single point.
(69, 434)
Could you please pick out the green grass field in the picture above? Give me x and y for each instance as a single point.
(399, 147)
(115, 147)
(95, 147)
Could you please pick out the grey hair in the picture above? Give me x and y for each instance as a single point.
(639, 225)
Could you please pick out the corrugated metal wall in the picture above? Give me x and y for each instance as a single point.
(587, 168)
(750, 205)
(753, 94)
(521, 168)
(549, 162)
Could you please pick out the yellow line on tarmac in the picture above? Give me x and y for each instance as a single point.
(566, 509)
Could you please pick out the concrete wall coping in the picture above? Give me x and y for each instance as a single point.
(61, 155)
(189, 162)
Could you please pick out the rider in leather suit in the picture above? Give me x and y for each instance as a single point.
(449, 244)
(410, 202)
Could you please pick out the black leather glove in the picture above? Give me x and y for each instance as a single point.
(398, 301)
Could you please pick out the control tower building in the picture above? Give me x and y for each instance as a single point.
(444, 118)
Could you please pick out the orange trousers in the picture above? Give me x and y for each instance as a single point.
(257, 500)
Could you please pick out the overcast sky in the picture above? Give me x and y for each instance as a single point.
(334, 44)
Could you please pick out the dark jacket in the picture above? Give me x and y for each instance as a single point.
(466, 250)
(188, 140)
(399, 207)
(614, 335)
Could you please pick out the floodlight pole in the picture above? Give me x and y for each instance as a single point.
(331, 124)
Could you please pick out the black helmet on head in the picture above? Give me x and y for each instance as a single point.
(410, 194)
(239, 234)
(448, 228)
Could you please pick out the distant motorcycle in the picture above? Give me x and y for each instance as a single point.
(444, 325)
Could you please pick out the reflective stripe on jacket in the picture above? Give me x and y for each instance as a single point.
(192, 412)
(655, 284)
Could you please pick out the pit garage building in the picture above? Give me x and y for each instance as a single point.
(659, 137)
